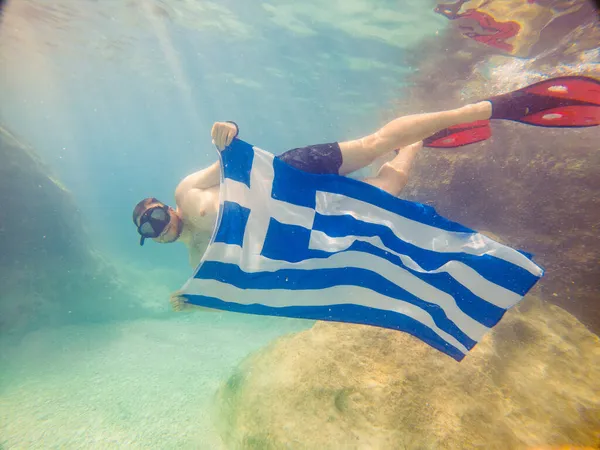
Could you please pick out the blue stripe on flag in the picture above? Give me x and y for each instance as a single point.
(236, 161)
(235, 218)
(289, 243)
(337, 313)
(294, 186)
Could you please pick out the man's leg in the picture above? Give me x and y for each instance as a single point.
(406, 130)
(393, 175)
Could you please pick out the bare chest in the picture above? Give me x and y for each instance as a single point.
(200, 212)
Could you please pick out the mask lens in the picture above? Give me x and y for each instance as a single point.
(147, 230)
(159, 214)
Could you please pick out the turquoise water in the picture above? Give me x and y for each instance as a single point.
(118, 98)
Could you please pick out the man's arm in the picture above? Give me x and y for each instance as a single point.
(222, 134)
(203, 179)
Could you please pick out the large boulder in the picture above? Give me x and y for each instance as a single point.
(49, 273)
(534, 380)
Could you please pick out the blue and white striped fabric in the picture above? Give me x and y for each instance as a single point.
(326, 247)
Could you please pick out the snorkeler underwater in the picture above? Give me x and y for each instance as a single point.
(388, 211)
(340, 238)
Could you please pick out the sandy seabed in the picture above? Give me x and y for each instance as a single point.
(140, 384)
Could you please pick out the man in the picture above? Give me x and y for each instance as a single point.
(570, 101)
(197, 195)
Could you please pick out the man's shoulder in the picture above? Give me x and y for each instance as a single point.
(185, 188)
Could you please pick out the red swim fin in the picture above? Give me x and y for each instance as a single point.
(459, 135)
(570, 101)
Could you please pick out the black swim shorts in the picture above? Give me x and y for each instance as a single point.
(319, 159)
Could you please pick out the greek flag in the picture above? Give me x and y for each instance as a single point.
(327, 247)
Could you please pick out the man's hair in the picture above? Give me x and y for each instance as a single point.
(142, 206)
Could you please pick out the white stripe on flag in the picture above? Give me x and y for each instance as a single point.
(261, 184)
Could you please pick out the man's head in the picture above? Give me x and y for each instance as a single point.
(157, 221)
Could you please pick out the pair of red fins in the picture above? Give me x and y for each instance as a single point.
(562, 102)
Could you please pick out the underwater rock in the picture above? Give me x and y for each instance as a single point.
(533, 381)
(537, 188)
(49, 274)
